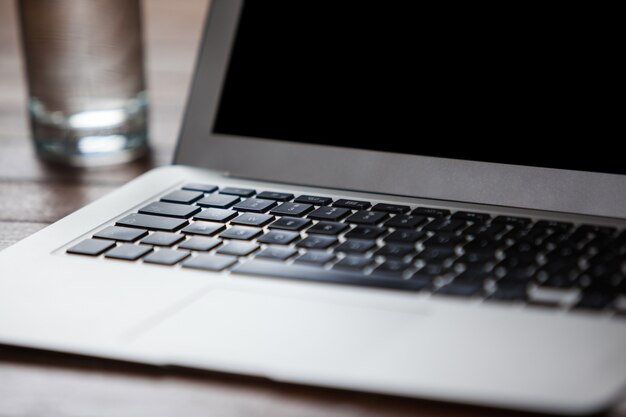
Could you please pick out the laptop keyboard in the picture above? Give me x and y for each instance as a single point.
(355, 242)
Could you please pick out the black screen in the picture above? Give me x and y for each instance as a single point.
(517, 84)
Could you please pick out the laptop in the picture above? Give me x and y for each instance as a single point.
(370, 198)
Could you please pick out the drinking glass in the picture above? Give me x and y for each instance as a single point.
(84, 64)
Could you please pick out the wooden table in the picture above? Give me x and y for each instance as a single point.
(34, 194)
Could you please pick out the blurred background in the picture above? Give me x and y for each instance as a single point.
(34, 193)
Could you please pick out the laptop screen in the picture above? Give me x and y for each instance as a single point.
(517, 86)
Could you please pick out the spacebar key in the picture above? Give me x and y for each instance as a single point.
(278, 270)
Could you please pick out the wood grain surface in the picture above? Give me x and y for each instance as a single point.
(34, 194)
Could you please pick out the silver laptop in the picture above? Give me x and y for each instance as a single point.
(364, 198)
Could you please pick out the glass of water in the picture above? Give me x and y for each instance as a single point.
(87, 94)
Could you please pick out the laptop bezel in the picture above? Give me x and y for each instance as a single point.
(549, 189)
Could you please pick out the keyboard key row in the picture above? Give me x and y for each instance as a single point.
(185, 195)
(469, 282)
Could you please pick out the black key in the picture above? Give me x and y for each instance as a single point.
(356, 246)
(210, 262)
(241, 192)
(317, 242)
(144, 221)
(205, 188)
(218, 201)
(485, 230)
(203, 228)
(292, 209)
(181, 211)
(482, 228)
(603, 283)
(476, 258)
(255, 205)
(354, 262)
(430, 212)
(313, 273)
(571, 239)
(91, 247)
(521, 247)
(392, 268)
(216, 215)
(272, 195)
(367, 217)
(600, 258)
(241, 233)
(434, 269)
(516, 268)
(558, 275)
(510, 291)
(352, 204)
(405, 221)
(279, 237)
(559, 260)
(237, 248)
(462, 287)
(328, 228)
(604, 275)
(595, 300)
(366, 232)
(521, 273)
(123, 234)
(163, 239)
(599, 243)
(396, 250)
(421, 281)
(620, 242)
(405, 236)
(200, 243)
(560, 279)
(290, 223)
(533, 235)
(329, 213)
(279, 253)
(316, 257)
(182, 197)
(444, 225)
(391, 208)
(482, 245)
(471, 216)
(437, 253)
(554, 225)
(253, 219)
(518, 260)
(166, 256)
(474, 272)
(512, 220)
(128, 252)
(589, 228)
(314, 200)
(444, 239)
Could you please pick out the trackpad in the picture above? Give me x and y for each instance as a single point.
(273, 335)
